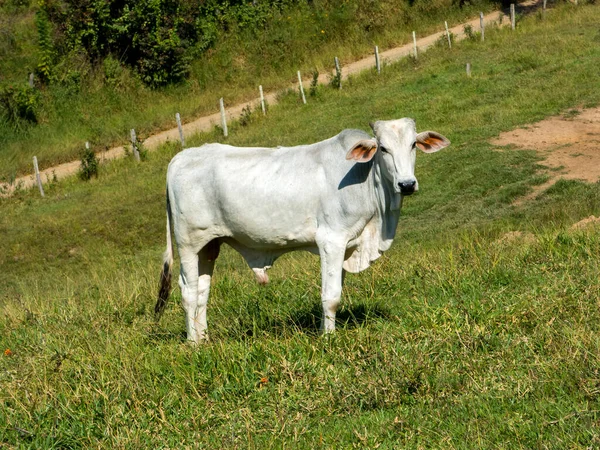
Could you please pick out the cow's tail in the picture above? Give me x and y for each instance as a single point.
(165, 276)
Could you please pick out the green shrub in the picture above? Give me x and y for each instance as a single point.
(19, 105)
(47, 54)
(246, 116)
(336, 80)
(89, 164)
(442, 41)
(469, 32)
(314, 84)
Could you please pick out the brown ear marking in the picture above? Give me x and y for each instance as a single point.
(430, 141)
(426, 143)
(363, 151)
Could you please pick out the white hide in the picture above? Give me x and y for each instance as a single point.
(268, 201)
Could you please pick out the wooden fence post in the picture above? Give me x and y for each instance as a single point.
(512, 15)
(136, 152)
(31, 80)
(223, 119)
(448, 34)
(468, 69)
(301, 88)
(338, 70)
(262, 100)
(377, 63)
(37, 175)
(482, 26)
(178, 119)
(415, 44)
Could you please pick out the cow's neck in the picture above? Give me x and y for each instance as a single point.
(378, 233)
(389, 204)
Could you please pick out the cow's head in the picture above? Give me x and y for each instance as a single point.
(395, 147)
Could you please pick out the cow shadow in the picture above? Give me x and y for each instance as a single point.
(358, 174)
(306, 320)
(347, 317)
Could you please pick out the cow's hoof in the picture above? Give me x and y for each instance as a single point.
(197, 342)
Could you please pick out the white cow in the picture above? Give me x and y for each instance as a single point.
(339, 198)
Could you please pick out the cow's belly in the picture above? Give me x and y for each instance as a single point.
(279, 229)
(268, 214)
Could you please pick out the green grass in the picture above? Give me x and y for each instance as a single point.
(102, 112)
(455, 338)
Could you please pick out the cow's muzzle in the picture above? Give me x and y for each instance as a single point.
(407, 187)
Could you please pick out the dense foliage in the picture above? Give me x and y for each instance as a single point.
(19, 104)
(159, 38)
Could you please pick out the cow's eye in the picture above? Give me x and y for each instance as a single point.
(414, 145)
(383, 149)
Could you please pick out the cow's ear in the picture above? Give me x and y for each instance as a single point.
(363, 151)
(431, 142)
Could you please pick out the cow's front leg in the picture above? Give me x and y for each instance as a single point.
(206, 264)
(200, 324)
(332, 259)
(188, 282)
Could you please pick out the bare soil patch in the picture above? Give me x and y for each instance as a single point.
(569, 144)
(588, 222)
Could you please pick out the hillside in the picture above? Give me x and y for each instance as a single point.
(82, 93)
(477, 329)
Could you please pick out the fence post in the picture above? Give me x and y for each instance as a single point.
(262, 100)
(223, 119)
(31, 80)
(37, 175)
(512, 15)
(482, 26)
(448, 34)
(544, 7)
(468, 69)
(377, 63)
(338, 70)
(136, 153)
(415, 44)
(178, 119)
(301, 88)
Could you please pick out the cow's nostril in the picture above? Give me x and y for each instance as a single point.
(407, 187)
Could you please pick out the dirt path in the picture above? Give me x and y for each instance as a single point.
(570, 145)
(207, 122)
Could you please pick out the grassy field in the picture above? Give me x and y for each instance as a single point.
(105, 106)
(459, 337)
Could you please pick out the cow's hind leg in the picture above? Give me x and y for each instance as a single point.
(332, 260)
